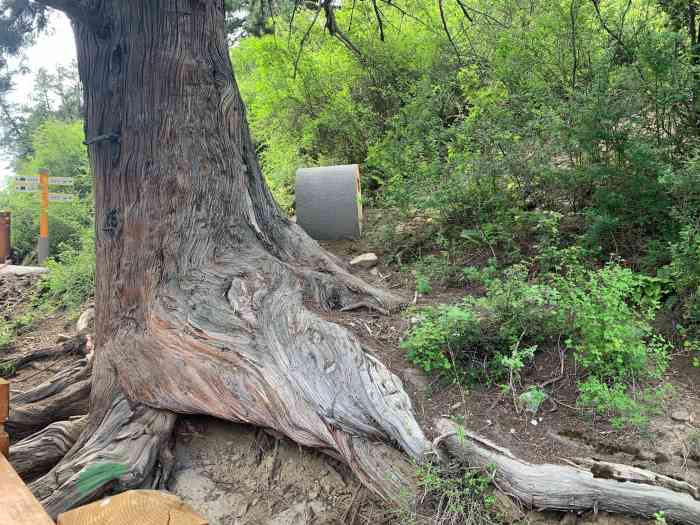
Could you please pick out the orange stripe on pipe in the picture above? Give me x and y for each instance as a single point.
(44, 214)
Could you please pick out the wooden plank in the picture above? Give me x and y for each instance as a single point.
(4, 414)
(18, 506)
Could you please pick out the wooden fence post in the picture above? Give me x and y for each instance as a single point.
(4, 414)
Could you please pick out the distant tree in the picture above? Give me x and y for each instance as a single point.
(56, 96)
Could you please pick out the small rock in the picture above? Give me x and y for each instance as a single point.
(680, 415)
(646, 455)
(416, 319)
(365, 261)
(512, 431)
(416, 379)
(85, 319)
(62, 338)
(534, 423)
(662, 457)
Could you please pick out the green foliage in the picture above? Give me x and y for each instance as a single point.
(609, 315)
(533, 398)
(683, 274)
(59, 147)
(483, 336)
(461, 496)
(71, 277)
(441, 333)
(7, 335)
(423, 284)
(603, 316)
(625, 407)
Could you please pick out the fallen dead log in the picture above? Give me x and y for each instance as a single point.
(38, 453)
(571, 488)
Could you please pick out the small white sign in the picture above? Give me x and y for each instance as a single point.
(60, 181)
(26, 188)
(61, 197)
(29, 178)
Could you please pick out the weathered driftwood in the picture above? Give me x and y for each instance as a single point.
(38, 453)
(571, 488)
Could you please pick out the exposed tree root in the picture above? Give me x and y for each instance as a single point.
(118, 451)
(235, 341)
(569, 488)
(63, 396)
(38, 453)
(77, 345)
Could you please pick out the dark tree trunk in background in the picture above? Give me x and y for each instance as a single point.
(201, 280)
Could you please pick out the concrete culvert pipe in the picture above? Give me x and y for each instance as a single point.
(329, 202)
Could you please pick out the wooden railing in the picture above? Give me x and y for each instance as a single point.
(18, 506)
(4, 414)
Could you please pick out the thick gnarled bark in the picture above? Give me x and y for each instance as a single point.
(201, 290)
(201, 280)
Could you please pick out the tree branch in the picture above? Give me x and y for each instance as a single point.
(378, 15)
(303, 42)
(447, 30)
(78, 11)
(617, 37)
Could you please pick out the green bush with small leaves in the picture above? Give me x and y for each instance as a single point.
(603, 316)
(70, 280)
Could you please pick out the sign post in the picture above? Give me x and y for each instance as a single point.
(43, 247)
(40, 183)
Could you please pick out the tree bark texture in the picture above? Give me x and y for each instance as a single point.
(203, 285)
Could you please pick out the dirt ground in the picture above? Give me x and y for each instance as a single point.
(234, 474)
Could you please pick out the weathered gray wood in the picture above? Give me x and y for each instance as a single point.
(75, 345)
(63, 396)
(9, 269)
(39, 452)
(122, 454)
(568, 488)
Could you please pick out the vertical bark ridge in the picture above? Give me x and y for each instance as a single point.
(201, 280)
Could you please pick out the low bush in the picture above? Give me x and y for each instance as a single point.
(71, 277)
(456, 495)
(602, 316)
(483, 338)
(682, 275)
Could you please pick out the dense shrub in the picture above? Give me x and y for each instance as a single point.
(602, 316)
(683, 276)
(71, 277)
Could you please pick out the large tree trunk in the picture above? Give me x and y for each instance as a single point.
(205, 290)
(202, 283)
